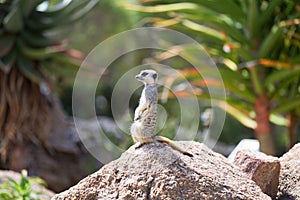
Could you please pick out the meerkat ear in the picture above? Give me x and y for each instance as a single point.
(154, 76)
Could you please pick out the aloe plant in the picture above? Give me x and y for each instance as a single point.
(256, 44)
(29, 41)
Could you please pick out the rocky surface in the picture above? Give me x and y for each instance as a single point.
(289, 181)
(155, 171)
(262, 169)
(44, 193)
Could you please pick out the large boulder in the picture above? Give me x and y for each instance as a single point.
(262, 169)
(156, 171)
(289, 181)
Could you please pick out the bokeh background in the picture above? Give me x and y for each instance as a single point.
(255, 44)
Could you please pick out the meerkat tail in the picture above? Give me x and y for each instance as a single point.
(172, 144)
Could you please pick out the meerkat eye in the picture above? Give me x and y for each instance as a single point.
(144, 74)
(154, 76)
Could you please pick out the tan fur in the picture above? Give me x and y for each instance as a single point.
(172, 144)
(143, 127)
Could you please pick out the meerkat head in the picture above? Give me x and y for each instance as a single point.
(148, 76)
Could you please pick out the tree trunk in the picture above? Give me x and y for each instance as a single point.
(263, 128)
(36, 136)
(24, 111)
(292, 130)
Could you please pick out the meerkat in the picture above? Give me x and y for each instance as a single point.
(143, 127)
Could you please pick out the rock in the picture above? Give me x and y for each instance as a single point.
(289, 181)
(156, 171)
(44, 193)
(244, 144)
(262, 169)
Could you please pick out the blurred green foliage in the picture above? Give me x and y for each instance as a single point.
(106, 20)
(22, 189)
(238, 34)
(26, 39)
(256, 46)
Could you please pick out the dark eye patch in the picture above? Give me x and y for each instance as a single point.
(144, 74)
(154, 76)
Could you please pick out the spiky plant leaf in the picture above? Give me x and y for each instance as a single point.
(246, 33)
(13, 22)
(6, 43)
(26, 46)
(7, 61)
